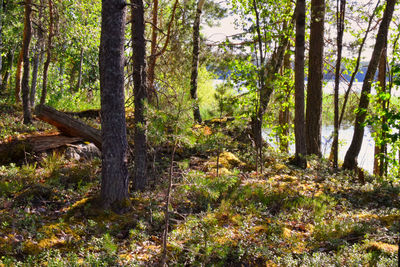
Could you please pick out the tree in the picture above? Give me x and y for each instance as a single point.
(340, 15)
(25, 55)
(140, 93)
(350, 160)
(314, 85)
(299, 125)
(154, 53)
(195, 61)
(48, 54)
(114, 182)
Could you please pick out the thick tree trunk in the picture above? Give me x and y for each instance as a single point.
(299, 125)
(350, 160)
(315, 77)
(195, 61)
(340, 13)
(140, 94)
(68, 125)
(48, 55)
(25, 77)
(114, 170)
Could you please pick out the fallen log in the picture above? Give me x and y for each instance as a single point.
(18, 150)
(68, 125)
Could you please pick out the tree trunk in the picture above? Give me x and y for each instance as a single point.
(284, 113)
(36, 63)
(79, 84)
(195, 61)
(25, 77)
(340, 13)
(10, 61)
(140, 94)
(1, 43)
(48, 56)
(353, 76)
(350, 160)
(315, 77)
(153, 51)
(154, 54)
(380, 150)
(299, 125)
(18, 77)
(114, 170)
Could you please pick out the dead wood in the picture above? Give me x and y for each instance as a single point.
(68, 125)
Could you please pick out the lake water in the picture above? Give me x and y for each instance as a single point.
(366, 156)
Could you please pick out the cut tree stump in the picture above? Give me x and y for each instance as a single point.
(68, 125)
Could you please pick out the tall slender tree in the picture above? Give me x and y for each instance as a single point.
(1, 41)
(140, 93)
(25, 55)
(299, 124)
(340, 15)
(114, 182)
(48, 54)
(314, 85)
(195, 60)
(350, 160)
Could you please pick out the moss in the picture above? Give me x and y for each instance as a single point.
(229, 160)
(382, 247)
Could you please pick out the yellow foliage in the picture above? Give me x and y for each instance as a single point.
(280, 167)
(229, 160)
(382, 247)
(30, 247)
(287, 233)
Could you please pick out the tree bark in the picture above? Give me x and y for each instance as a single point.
(350, 160)
(284, 112)
(68, 125)
(114, 170)
(299, 124)
(153, 50)
(140, 94)
(1, 42)
(18, 77)
(380, 149)
(340, 13)
(315, 77)
(25, 77)
(10, 61)
(36, 62)
(195, 61)
(48, 55)
(353, 76)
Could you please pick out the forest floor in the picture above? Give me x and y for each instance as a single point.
(283, 217)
